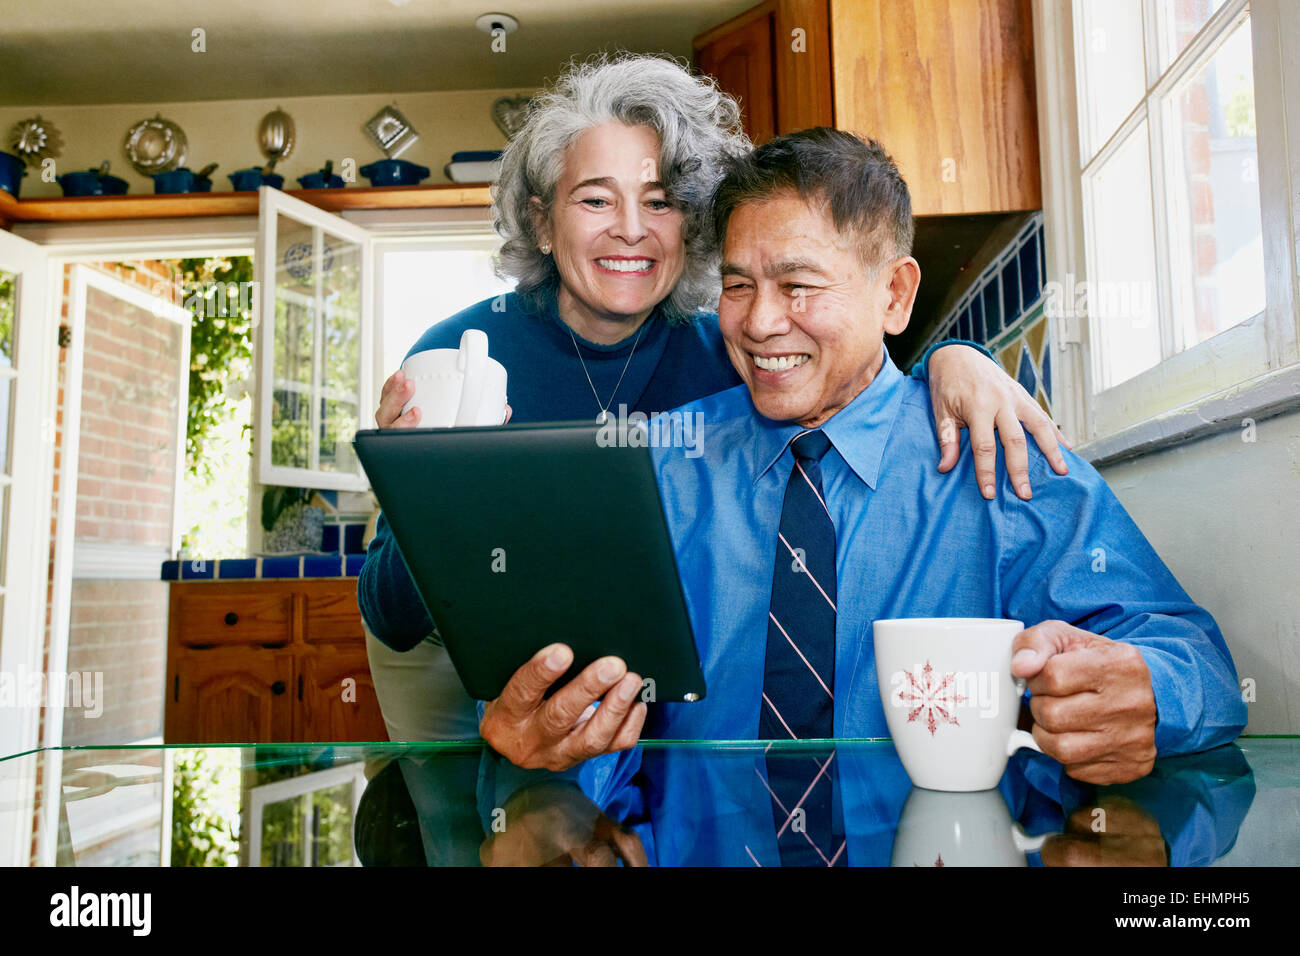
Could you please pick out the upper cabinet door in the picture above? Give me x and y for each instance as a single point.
(315, 341)
(947, 86)
(740, 58)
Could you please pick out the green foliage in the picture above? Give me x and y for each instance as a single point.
(205, 808)
(7, 291)
(220, 344)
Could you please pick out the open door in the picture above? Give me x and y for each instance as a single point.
(315, 342)
(27, 362)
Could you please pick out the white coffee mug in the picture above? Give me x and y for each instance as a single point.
(949, 698)
(455, 387)
(960, 829)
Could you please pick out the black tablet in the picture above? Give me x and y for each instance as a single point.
(519, 536)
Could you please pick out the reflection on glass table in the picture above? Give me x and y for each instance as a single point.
(665, 804)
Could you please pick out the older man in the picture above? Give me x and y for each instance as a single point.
(812, 511)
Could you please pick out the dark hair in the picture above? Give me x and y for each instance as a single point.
(857, 180)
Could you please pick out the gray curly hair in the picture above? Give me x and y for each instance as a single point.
(698, 128)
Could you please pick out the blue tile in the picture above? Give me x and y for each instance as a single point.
(992, 306)
(330, 539)
(1010, 292)
(237, 568)
(198, 570)
(280, 567)
(1025, 376)
(354, 563)
(1031, 282)
(330, 495)
(352, 537)
(322, 565)
(171, 570)
(1047, 371)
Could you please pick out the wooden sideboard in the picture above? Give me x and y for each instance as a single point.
(265, 661)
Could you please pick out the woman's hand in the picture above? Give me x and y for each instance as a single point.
(397, 391)
(969, 391)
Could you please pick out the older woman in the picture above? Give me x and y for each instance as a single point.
(602, 202)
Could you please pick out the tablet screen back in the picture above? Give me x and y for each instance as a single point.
(523, 535)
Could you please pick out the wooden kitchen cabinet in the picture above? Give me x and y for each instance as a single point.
(268, 661)
(229, 696)
(947, 86)
(775, 59)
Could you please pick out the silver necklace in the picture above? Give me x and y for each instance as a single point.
(604, 409)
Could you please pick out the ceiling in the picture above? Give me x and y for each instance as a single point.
(66, 52)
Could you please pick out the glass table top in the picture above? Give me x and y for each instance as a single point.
(677, 803)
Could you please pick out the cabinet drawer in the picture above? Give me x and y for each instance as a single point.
(330, 613)
(204, 616)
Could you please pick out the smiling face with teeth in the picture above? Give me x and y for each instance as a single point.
(616, 237)
(802, 316)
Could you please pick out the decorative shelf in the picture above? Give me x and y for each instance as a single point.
(147, 206)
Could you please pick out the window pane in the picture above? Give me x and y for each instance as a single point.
(290, 428)
(1216, 242)
(342, 342)
(1177, 22)
(341, 359)
(282, 832)
(4, 536)
(1111, 73)
(331, 826)
(338, 426)
(425, 286)
(6, 403)
(1120, 293)
(293, 357)
(8, 297)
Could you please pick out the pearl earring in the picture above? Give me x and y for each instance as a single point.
(546, 248)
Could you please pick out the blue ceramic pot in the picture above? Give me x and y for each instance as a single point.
(12, 171)
(249, 179)
(90, 183)
(317, 181)
(394, 172)
(181, 181)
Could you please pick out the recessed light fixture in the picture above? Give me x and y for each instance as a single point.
(497, 21)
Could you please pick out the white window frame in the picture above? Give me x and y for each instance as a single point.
(1248, 371)
(302, 786)
(272, 204)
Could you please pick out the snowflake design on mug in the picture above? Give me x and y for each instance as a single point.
(934, 699)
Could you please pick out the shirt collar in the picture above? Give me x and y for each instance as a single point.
(858, 431)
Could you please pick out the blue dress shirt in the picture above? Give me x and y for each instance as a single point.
(912, 542)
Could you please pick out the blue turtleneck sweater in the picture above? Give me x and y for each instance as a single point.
(672, 364)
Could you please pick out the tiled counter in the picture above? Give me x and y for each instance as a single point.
(278, 567)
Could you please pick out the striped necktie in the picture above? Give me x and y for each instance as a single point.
(799, 669)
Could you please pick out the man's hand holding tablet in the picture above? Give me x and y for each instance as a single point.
(559, 732)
